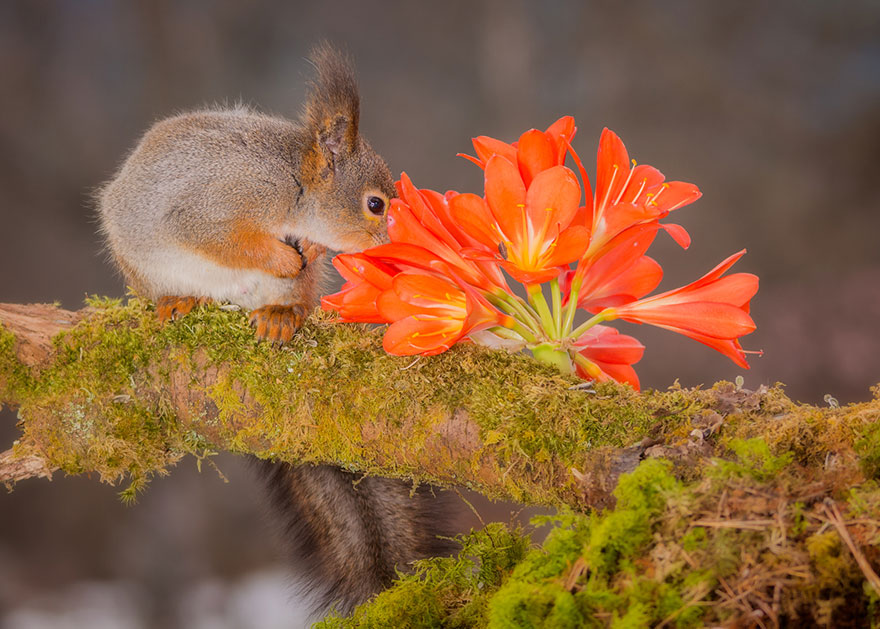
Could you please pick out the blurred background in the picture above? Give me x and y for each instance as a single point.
(773, 109)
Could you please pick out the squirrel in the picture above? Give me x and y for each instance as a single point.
(232, 205)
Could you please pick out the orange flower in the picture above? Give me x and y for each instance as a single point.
(527, 229)
(429, 314)
(627, 196)
(440, 278)
(713, 310)
(606, 354)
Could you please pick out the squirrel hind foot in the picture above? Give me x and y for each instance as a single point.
(278, 324)
(171, 308)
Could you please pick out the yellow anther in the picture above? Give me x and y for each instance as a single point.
(520, 205)
(634, 163)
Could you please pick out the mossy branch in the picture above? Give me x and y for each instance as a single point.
(109, 389)
(741, 505)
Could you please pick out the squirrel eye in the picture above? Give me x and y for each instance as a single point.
(376, 205)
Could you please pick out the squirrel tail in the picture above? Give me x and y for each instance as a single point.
(349, 535)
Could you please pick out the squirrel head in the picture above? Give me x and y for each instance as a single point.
(346, 183)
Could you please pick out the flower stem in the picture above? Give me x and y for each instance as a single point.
(571, 307)
(556, 295)
(510, 333)
(550, 354)
(599, 318)
(517, 308)
(536, 298)
(524, 333)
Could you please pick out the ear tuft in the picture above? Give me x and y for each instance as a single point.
(332, 112)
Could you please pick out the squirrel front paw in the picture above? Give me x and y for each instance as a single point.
(278, 324)
(175, 307)
(308, 250)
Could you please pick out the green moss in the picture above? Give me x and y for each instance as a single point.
(754, 459)
(643, 563)
(867, 446)
(15, 378)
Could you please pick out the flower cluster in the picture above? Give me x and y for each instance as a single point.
(444, 276)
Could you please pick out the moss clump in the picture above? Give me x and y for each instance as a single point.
(753, 458)
(720, 550)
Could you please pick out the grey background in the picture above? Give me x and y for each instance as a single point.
(773, 109)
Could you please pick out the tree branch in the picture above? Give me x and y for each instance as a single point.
(110, 390)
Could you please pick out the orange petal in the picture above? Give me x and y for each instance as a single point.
(585, 213)
(568, 246)
(612, 168)
(624, 374)
(560, 134)
(606, 344)
(552, 199)
(678, 233)
(424, 212)
(716, 320)
(639, 279)
(532, 276)
(475, 219)
(487, 147)
(359, 267)
(506, 196)
(421, 335)
(642, 179)
(355, 302)
(736, 289)
(677, 194)
(431, 292)
(534, 153)
(392, 308)
(729, 347)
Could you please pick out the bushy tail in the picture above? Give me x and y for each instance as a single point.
(348, 535)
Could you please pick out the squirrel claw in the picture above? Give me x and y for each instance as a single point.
(277, 324)
(173, 308)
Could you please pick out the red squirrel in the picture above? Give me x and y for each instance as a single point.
(231, 205)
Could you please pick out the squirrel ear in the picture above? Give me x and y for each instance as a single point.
(332, 112)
